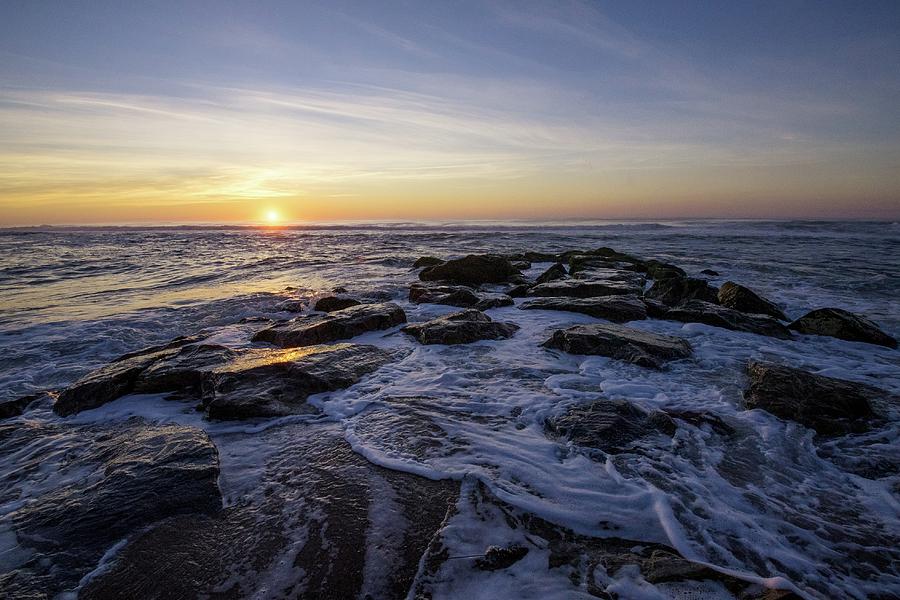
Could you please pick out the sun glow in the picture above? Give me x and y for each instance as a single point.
(272, 217)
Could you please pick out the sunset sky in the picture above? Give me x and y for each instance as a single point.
(224, 111)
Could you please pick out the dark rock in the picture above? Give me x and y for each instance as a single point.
(538, 257)
(16, 406)
(660, 270)
(460, 328)
(675, 290)
(518, 291)
(842, 324)
(520, 265)
(738, 297)
(294, 306)
(333, 303)
(655, 308)
(581, 262)
(584, 288)
(616, 256)
(183, 372)
(109, 482)
(697, 311)
(427, 261)
(611, 274)
(338, 325)
(620, 342)
(618, 309)
(487, 301)
(555, 272)
(828, 405)
(339, 290)
(496, 558)
(473, 269)
(709, 272)
(449, 295)
(609, 425)
(272, 383)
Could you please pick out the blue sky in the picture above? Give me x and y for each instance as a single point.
(218, 110)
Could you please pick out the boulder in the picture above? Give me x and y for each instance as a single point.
(456, 295)
(426, 261)
(611, 274)
(584, 288)
(698, 311)
(16, 406)
(660, 270)
(618, 309)
(609, 425)
(333, 303)
(842, 324)
(473, 269)
(488, 300)
(675, 290)
(555, 272)
(709, 272)
(338, 325)
(623, 343)
(463, 327)
(738, 297)
(109, 482)
(518, 291)
(828, 405)
(655, 308)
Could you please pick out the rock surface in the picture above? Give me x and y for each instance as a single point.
(620, 342)
(426, 261)
(473, 269)
(333, 303)
(456, 295)
(584, 288)
(738, 297)
(618, 309)
(16, 406)
(675, 290)
(828, 405)
(842, 324)
(462, 327)
(338, 325)
(553, 273)
(698, 311)
(609, 425)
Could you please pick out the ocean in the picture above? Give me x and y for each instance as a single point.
(767, 502)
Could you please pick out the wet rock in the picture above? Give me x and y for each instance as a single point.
(709, 272)
(338, 325)
(612, 274)
(496, 557)
(609, 425)
(618, 309)
(329, 524)
(620, 342)
(488, 300)
(675, 290)
(842, 324)
(584, 288)
(828, 405)
(538, 257)
(339, 290)
(473, 269)
(698, 311)
(520, 265)
(738, 297)
(112, 481)
(449, 295)
(463, 327)
(655, 308)
(661, 270)
(518, 291)
(333, 303)
(426, 261)
(555, 272)
(272, 383)
(16, 406)
(582, 262)
(184, 371)
(616, 256)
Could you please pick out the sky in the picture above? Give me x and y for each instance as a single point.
(228, 111)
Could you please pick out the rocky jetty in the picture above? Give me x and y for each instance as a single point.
(623, 343)
(618, 309)
(737, 297)
(842, 324)
(462, 327)
(338, 325)
(473, 269)
(698, 311)
(609, 425)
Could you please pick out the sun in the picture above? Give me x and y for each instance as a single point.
(272, 217)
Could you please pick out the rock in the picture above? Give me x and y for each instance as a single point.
(16, 406)
(456, 295)
(660, 270)
(496, 558)
(697, 311)
(611, 274)
(675, 290)
(272, 383)
(738, 297)
(538, 257)
(584, 288)
(338, 325)
(463, 327)
(655, 308)
(487, 301)
(426, 261)
(520, 265)
(618, 309)
(109, 482)
(620, 342)
(609, 425)
(709, 272)
(339, 290)
(555, 272)
(616, 256)
(333, 303)
(581, 262)
(518, 291)
(828, 405)
(473, 269)
(842, 324)
(184, 371)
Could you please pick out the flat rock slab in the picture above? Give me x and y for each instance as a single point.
(474, 269)
(107, 482)
(611, 274)
(324, 523)
(828, 405)
(463, 327)
(333, 303)
(675, 290)
(738, 297)
(842, 324)
(584, 288)
(609, 425)
(620, 342)
(698, 311)
(618, 309)
(456, 295)
(338, 325)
